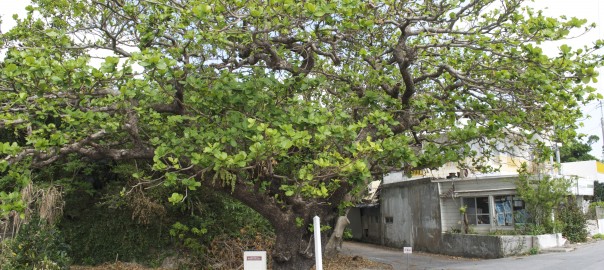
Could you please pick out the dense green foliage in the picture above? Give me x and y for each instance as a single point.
(288, 107)
(99, 234)
(573, 221)
(104, 225)
(542, 197)
(598, 191)
(37, 246)
(577, 150)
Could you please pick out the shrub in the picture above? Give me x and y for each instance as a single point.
(541, 195)
(598, 236)
(36, 246)
(591, 214)
(573, 221)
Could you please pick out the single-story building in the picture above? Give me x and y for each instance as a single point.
(423, 211)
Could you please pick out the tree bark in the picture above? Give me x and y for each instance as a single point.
(293, 249)
(334, 245)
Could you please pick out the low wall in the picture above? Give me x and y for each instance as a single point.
(496, 246)
(549, 240)
(471, 245)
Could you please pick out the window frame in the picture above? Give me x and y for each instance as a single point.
(475, 218)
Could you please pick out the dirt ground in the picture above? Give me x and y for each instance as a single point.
(341, 262)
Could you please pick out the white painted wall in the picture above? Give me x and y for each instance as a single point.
(583, 169)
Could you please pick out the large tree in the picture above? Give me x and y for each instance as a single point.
(578, 150)
(287, 106)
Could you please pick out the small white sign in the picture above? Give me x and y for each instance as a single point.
(407, 250)
(254, 260)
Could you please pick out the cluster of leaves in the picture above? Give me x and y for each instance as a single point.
(37, 246)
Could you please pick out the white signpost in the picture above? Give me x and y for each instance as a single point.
(407, 251)
(254, 260)
(318, 254)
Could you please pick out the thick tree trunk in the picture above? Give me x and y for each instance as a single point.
(294, 243)
(293, 250)
(334, 245)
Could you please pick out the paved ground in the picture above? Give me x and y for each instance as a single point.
(585, 257)
(399, 260)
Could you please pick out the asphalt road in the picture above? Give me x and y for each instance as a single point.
(584, 257)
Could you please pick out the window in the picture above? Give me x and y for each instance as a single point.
(509, 210)
(389, 219)
(477, 210)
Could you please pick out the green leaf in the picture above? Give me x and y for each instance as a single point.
(52, 33)
(256, 13)
(310, 7)
(161, 66)
(176, 198)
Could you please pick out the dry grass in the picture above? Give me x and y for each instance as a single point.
(226, 253)
(115, 266)
(47, 203)
(144, 210)
(340, 262)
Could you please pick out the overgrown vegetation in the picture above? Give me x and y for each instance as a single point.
(34, 242)
(38, 245)
(550, 206)
(109, 227)
(542, 196)
(573, 221)
(108, 220)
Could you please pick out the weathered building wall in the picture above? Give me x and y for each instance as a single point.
(371, 226)
(450, 215)
(355, 226)
(411, 215)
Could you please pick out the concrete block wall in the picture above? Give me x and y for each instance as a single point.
(496, 246)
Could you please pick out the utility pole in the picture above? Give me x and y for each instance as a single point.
(602, 126)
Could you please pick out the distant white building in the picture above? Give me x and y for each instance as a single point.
(591, 169)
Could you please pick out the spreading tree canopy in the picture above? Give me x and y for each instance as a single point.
(578, 150)
(287, 106)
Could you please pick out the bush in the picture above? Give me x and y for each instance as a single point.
(573, 221)
(36, 246)
(591, 213)
(98, 233)
(541, 195)
(598, 236)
